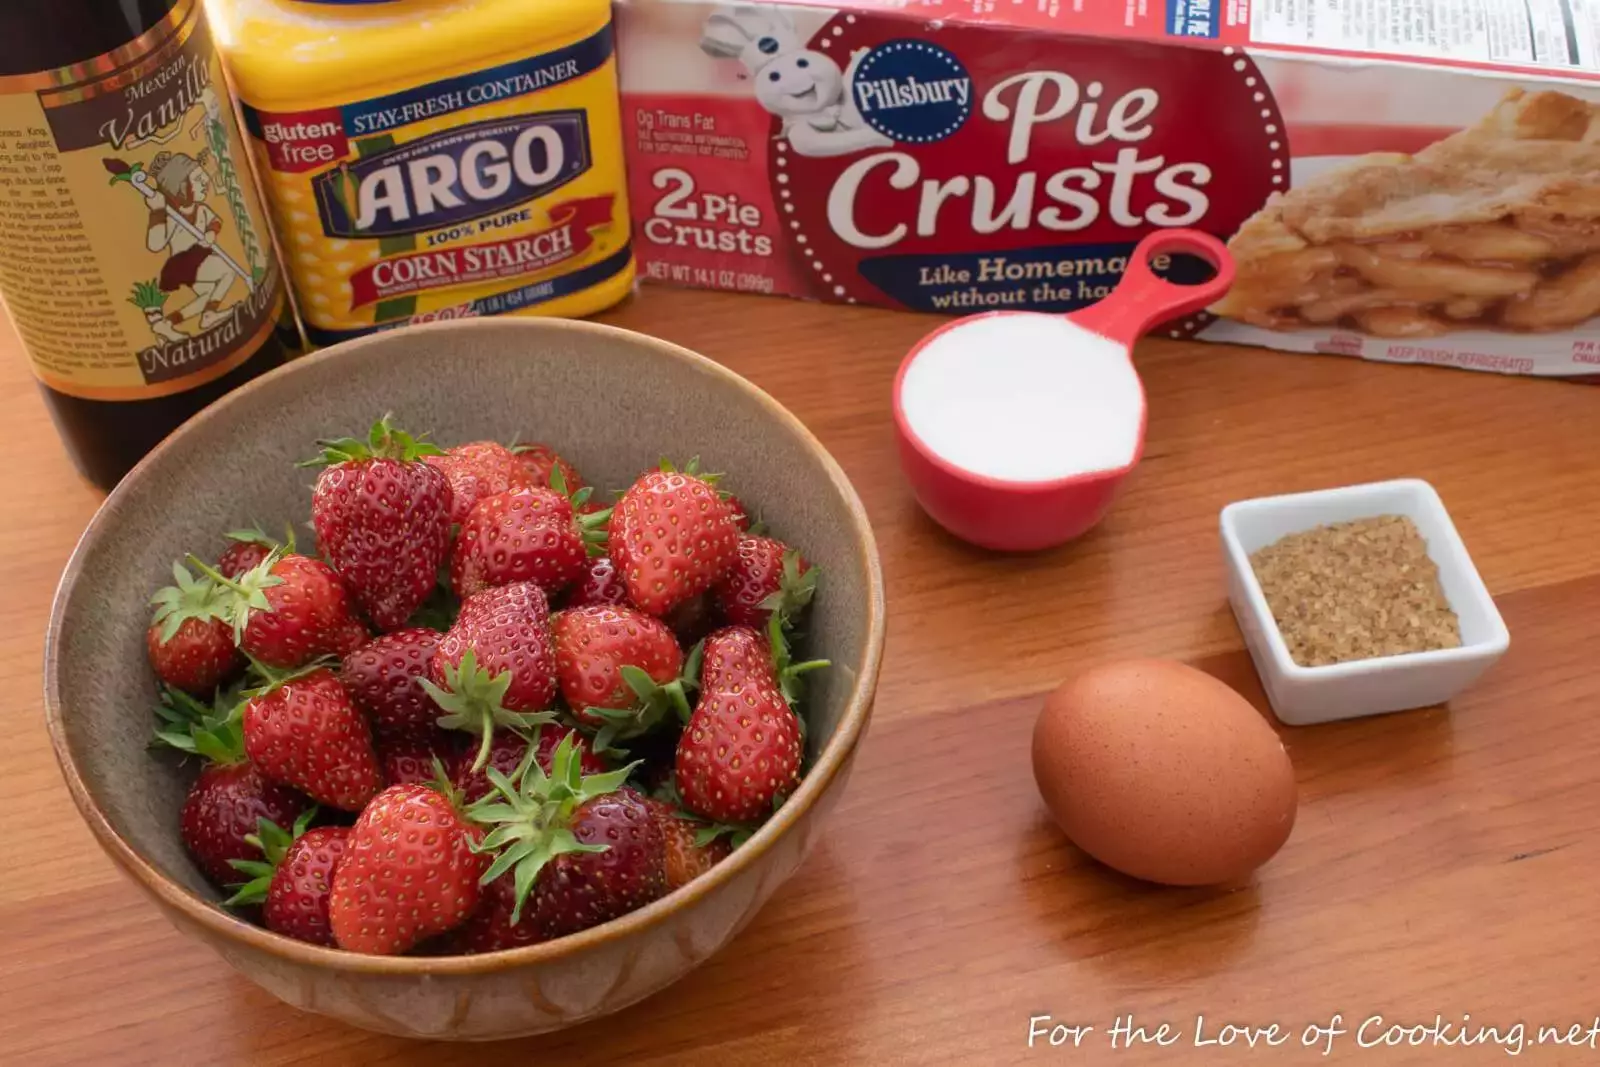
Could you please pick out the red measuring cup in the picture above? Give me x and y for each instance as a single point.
(1025, 515)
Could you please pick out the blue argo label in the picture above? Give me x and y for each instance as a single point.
(453, 176)
(489, 191)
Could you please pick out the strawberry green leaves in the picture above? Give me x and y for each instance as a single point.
(270, 679)
(474, 700)
(189, 598)
(691, 468)
(790, 675)
(254, 535)
(591, 524)
(248, 591)
(274, 842)
(215, 733)
(704, 834)
(383, 442)
(654, 701)
(529, 815)
(795, 590)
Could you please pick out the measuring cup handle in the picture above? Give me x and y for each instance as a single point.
(1141, 299)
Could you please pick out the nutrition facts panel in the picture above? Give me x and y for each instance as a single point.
(1560, 34)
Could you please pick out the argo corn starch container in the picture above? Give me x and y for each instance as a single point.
(434, 159)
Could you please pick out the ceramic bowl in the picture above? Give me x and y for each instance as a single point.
(1305, 695)
(542, 380)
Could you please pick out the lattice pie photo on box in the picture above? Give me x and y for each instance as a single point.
(1494, 227)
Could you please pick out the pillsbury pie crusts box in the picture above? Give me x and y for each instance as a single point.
(1401, 180)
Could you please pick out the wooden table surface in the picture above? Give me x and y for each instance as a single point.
(1443, 862)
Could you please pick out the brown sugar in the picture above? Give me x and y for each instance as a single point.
(1356, 590)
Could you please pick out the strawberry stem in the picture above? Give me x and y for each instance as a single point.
(215, 575)
(592, 526)
(558, 482)
(485, 739)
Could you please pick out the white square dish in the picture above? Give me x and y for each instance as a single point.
(1304, 695)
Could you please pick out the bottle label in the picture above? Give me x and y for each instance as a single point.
(495, 191)
(135, 259)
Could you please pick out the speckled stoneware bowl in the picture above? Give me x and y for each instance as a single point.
(529, 379)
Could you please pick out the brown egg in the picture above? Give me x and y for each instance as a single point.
(1164, 773)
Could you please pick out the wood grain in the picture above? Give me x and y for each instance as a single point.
(1442, 864)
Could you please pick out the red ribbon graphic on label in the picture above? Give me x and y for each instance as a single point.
(566, 238)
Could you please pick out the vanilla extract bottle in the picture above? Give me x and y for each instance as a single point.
(135, 259)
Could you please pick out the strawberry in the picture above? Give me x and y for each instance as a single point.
(734, 655)
(543, 462)
(600, 583)
(552, 471)
(495, 666)
(672, 536)
(509, 749)
(740, 754)
(618, 669)
(230, 795)
(580, 889)
(293, 881)
(382, 678)
(691, 846)
(246, 550)
(741, 514)
(524, 535)
(190, 639)
(585, 847)
(739, 651)
(220, 812)
(414, 758)
(490, 927)
(478, 470)
(410, 871)
(301, 729)
(289, 610)
(767, 576)
(383, 519)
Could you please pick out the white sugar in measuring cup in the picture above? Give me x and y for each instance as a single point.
(1016, 428)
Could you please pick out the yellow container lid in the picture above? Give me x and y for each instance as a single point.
(304, 53)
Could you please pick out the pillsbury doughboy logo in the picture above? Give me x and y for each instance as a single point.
(805, 89)
(912, 91)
